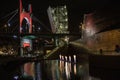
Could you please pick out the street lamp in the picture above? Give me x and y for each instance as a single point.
(5, 26)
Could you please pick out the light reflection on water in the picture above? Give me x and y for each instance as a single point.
(29, 69)
(63, 69)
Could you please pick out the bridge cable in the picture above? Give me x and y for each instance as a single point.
(12, 17)
(9, 14)
(36, 19)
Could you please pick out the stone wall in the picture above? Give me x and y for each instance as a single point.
(105, 40)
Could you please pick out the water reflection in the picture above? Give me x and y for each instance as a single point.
(75, 69)
(28, 70)
(66, 68)
(38, 72)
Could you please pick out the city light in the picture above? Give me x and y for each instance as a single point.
(9, 24)
(14, 36)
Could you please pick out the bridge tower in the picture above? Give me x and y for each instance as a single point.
(26, 41)
(27, 16)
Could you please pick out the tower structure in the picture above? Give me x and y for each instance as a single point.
(26, 41)
(27, 16)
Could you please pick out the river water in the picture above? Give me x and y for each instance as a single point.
(49, 70)
(55, 70)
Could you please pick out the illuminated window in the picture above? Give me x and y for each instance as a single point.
(59, 19)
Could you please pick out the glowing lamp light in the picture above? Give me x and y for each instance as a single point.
(14, 36)
(66, 58)
(9, 24)
(5, 25)
(60, 56)
(69, 58)
(39, 28)
(90, 32)
(16, 77)
(74, 58)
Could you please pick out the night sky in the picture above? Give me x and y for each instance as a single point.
(76, 8)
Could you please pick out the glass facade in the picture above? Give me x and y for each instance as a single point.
(59, 19)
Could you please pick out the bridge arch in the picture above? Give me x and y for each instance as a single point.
(25, 25)
(27, 16)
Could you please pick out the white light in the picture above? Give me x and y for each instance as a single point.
(14, 36)
(66, 58)
(74, 58)
(39, 28)
(15, 77)
(60, 56)
(5, 25)
(69, 58)
(90, 32)
(21, 28)
(9, 24)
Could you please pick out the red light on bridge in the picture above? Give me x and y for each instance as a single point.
(26, 44)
